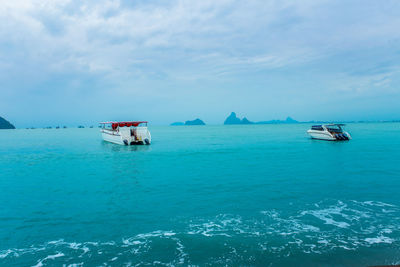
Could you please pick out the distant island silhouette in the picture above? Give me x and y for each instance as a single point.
(233, 119)
(195, 122)
(188, 123)
(4, 124)
(288, 120)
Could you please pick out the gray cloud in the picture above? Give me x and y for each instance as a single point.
(185, 51)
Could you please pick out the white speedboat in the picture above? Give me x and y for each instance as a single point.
(126, 132)
(330, 132)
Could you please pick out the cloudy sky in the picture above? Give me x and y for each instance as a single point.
(80, 62)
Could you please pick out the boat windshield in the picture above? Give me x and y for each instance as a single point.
(335, 128)
(317, 127)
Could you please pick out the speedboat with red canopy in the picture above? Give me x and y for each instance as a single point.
(126, 132)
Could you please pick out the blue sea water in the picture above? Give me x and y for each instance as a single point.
(254, 195)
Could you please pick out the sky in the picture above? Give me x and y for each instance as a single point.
(68, 62)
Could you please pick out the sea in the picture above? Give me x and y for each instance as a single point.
(238, 195)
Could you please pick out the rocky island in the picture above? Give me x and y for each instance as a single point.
(195, 122)
(4, 124)
(233, 119)
(288, 120)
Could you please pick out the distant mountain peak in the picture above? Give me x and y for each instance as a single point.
(290, 120)
(246, 121)
(4, 124)
(233, 119)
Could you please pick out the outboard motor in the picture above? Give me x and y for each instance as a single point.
(126, 142)
(147, 141)
(339, 136)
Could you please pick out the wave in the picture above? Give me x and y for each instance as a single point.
(321, 228)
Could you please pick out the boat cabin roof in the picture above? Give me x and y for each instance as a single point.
(330, 124)
(124, 123)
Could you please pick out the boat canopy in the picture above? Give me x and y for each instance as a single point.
(115, 124)
(335, 124)
(337, 127)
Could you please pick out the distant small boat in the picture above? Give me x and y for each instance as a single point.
(126, 133)
(329, 132)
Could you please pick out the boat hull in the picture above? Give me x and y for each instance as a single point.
(112, 138)
(124, 137)
(321, 135)
(327, 136)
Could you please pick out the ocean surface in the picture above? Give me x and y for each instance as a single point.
(254, 195)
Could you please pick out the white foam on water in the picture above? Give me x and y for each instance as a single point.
(39, 264)
(56, 242)
(132, 242)
(49, 257)
(213, 228)
(5, 253)
(345, 247)
(52, 257)
(388, 211)
(169, 234)
(73, 264)
(159, 263)
(85, 250)
(181, 251)
(387, 231)
(74, 245)
(323, 242)
(157, 233)
(378, 204)
(270, 232)
(110, 243)
(326, 215)
(379, 239)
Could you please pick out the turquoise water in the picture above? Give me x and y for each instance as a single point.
(258, 195)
